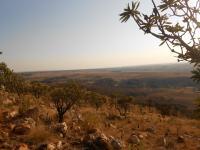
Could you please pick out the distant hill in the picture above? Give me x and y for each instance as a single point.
(173, 67)
(117, 73)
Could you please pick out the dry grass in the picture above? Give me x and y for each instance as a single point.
(39, 134)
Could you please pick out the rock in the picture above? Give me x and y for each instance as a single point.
(112, 126)
(42, 147)
(142, 135)
(164, 141)
(51, 146)
(21, 129)
(93, 130)
(96, 142)
(151, 130)
(31, 113)
(102, 143)
(7, 115)
(133, 139)
(29, 121)
(59, 145)
(3, 136)
(7, 102)
(180, 139)
(116, 144)
(22, 147)
(5, 146)
(61, 128)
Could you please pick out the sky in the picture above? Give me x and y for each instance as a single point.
(38, 35)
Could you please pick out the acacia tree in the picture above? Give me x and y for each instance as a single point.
(176, 23)
(66, 97)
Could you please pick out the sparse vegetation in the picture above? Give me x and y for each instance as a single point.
(65, 98)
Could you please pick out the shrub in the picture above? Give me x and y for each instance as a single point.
(123, 105)
(39, 134)
(91, 120)
(24, 104)
(197, 110)
(96, 100)
(66, 97)
(38, 89)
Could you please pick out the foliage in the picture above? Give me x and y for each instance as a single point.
(10, 81)
(38, 89)
(175, 23)
(24, 105)
(96, 99)
(197, 110)
(66, 97)
(123, 104)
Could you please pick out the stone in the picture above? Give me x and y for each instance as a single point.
(180, 139)
(164, 141)
(29, 121)
(142, 135)
(21, 129)
(116, 144)
(9, 114)
(93, 130)
(7, 102)
(96, 141)
(51, 146)
(60, 127)
(133, 139)
(22, 147)
(42, 147)
(59, 145)
(31, 113)
(151, 130)
(112, 126)
(102, 143)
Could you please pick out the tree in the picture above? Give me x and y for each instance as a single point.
(37, 89)
(66, 97)
(176, 23)
(11, 81)
(96, 99)
(123, 105)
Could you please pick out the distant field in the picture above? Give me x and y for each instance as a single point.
(118, 73)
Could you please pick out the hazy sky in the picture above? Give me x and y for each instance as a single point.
(73, 34)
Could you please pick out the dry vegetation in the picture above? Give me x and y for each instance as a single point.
(143, 128)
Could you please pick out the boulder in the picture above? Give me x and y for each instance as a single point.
(133, 139)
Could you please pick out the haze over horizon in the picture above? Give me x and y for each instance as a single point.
(66, 34)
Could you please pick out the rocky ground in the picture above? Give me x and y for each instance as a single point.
(84, 128)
